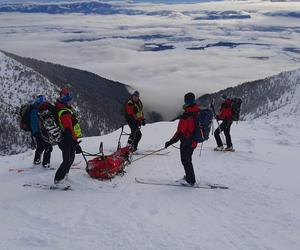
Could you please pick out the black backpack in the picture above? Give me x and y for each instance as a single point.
(236, 108)
(203, 121)
(48, 124)
(25, 111)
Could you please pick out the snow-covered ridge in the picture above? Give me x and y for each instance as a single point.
(18, 85)
(25, 83)
(288, 102)
(98, 100)
(278, 93)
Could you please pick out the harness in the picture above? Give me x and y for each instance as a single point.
(138, 108)
(75, 123)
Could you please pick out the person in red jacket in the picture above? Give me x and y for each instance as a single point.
(184, 133)
(69, 124)
(225, 115)
(134, 117)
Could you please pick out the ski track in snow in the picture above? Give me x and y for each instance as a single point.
(259, 211)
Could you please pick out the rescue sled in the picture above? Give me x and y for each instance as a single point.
(105, 167)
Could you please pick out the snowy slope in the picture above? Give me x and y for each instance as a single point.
(21, 79)
(19, 85)
(259, 211)
(263, 96)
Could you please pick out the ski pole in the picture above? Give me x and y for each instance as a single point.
(119, 141)
(201, 149)
(151, 153)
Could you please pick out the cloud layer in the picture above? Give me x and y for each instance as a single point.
(200, 47)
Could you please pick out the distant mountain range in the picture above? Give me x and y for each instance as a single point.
(123, 7)
(87, 7)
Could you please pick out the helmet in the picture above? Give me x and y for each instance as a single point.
(40, 99)
(65, 95)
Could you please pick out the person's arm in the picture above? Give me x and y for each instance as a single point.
(179, 134)
(66, 121)
(34, 122)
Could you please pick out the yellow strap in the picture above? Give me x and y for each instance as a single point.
(77, 130)
(76, 127)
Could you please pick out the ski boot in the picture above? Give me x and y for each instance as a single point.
(183, 182)
(229, 149)
(219, 148)
(62, 184)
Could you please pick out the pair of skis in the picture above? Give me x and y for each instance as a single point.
(20, 170)
(47, 186)
(205, 185)
(139, 181)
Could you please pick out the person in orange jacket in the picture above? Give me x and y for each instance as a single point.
(134, 117)
(184, 133)
(69, 145)
(225, 115)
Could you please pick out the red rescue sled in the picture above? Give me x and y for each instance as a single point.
(107, 166)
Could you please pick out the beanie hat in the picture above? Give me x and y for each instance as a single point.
(189, 98)
(136, 93)
(40, 99)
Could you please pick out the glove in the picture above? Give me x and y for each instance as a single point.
(78, 149)
(143, 122)
(167, 144)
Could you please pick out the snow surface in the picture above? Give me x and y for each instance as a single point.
(259, 211)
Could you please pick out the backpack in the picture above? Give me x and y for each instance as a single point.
(203, 121)
(236, 108)
(25, 117)
(48, 124)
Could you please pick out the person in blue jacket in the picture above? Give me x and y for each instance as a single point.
(41, 145)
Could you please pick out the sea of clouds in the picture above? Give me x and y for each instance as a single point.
(165, 50)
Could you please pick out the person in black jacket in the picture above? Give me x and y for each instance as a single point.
(41, 145)
(185, 129)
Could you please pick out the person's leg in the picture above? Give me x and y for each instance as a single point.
(39, 150)
(186, 153)
(47, 154)
(227, 134)
(137, 138)
(132, 131)
(135, 134)
(217, 133)
(68, 153)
